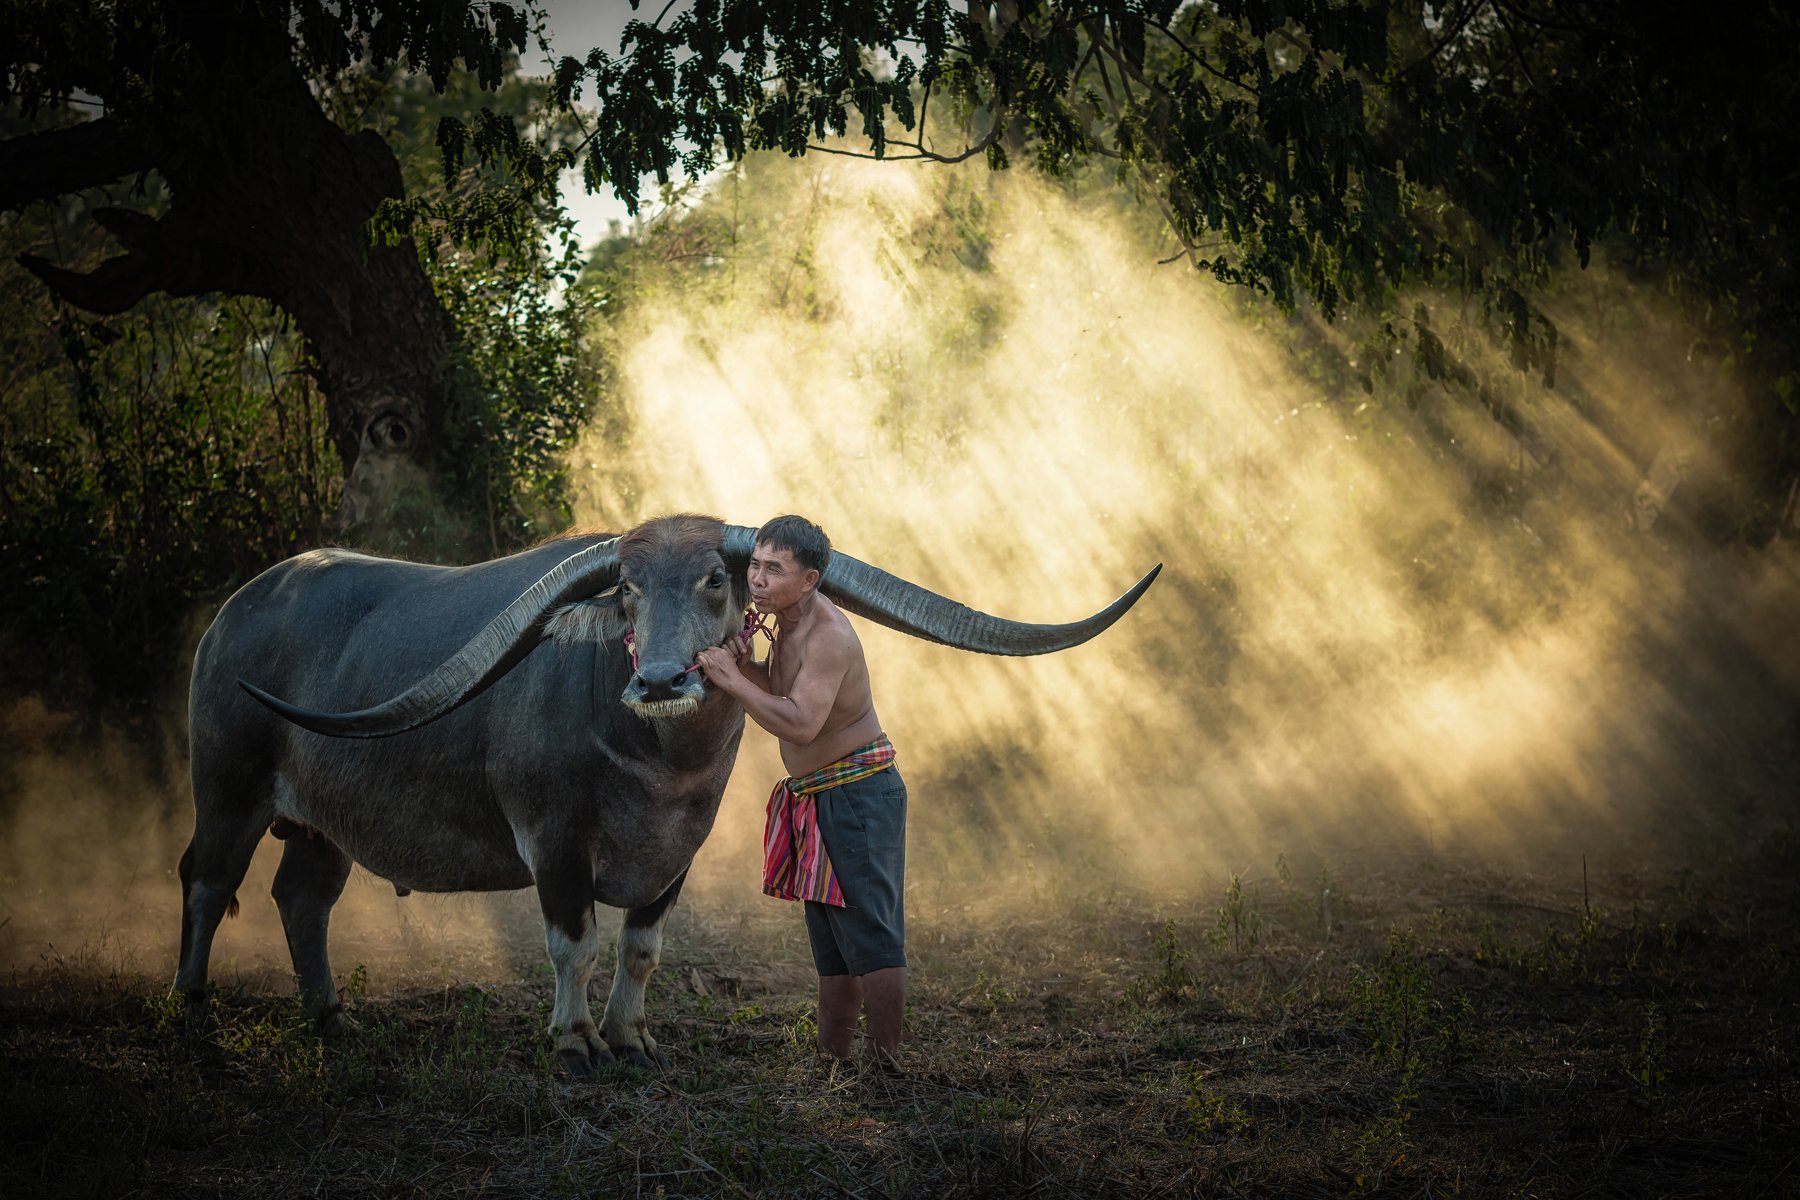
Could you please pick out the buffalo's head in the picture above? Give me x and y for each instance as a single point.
(677, 595)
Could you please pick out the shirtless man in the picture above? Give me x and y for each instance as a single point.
(837, 825)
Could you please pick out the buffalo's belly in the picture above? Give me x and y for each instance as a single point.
(470, 872)
(425, 839)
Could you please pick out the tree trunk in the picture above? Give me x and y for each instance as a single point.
(271, 198)
(299, 196)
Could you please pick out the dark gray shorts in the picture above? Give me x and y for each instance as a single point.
(864, 825)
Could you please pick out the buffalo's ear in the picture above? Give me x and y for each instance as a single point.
(597, 619)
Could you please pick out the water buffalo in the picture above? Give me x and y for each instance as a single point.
(552, 758)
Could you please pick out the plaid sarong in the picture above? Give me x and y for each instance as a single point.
(795, 865)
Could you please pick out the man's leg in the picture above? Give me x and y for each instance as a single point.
(884, 994)
(840, 1003)
(864, 823)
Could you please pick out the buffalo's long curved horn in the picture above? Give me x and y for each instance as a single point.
(497, 649)
(889, 600)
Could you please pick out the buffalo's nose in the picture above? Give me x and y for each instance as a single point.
(658, 681)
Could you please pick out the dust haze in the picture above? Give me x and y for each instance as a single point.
(1381, 620)
(1387, 619)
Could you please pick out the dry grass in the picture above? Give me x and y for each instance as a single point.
(1429, 1029)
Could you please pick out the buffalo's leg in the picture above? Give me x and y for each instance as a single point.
(308, 882)
(624, 1026)
(566, 896)
(212, 869)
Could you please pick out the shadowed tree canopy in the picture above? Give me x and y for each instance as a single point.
(1320, 152)
(269, 197)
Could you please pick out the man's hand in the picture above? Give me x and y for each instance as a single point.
(720, 664)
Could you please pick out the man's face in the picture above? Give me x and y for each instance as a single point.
(777, 582)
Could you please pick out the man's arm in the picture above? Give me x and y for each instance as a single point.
(798, 716)
(753, 671)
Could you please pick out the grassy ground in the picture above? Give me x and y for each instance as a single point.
(1404, 1028)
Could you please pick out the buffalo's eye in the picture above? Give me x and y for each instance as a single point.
(717, 580)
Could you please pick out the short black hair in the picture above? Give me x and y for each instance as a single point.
(799, 537)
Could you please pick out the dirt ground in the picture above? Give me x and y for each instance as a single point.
(1408, 1026)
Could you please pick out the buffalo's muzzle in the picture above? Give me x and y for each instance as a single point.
(663, 689)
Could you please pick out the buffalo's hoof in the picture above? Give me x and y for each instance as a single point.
(582, 1055)
(200, 1037)
(199, 1026)
(583, 1064)
(196, 1018)
(335, 1024)
(643, 1062)
(645, 1055)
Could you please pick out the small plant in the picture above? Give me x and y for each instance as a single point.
(1172, 974)
(1487, 944)
(270, 1035)
(1178, 1043)
(1635, 937)
(303, 1068)
(1587, 934)
(1329, 897)
(992, 996)
(357, 986)
(1382, 1144)
(1392, 1000)
(166, 1010)
(1648, 1066)
(1239, 925)
(1452, 1033)
(469, 1037)
(802, 1033)
(1210, 1113)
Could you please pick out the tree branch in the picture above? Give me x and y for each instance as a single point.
(158, 258)
(134, 230)
(1189, 247)
(1105, 80)
(1518, 10)
(40, 166)
(1512, 36)
(111, 288)
(1200, 59)
(987, 140)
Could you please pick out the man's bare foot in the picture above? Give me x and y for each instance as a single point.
(879, 1058)
(830, 1064)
